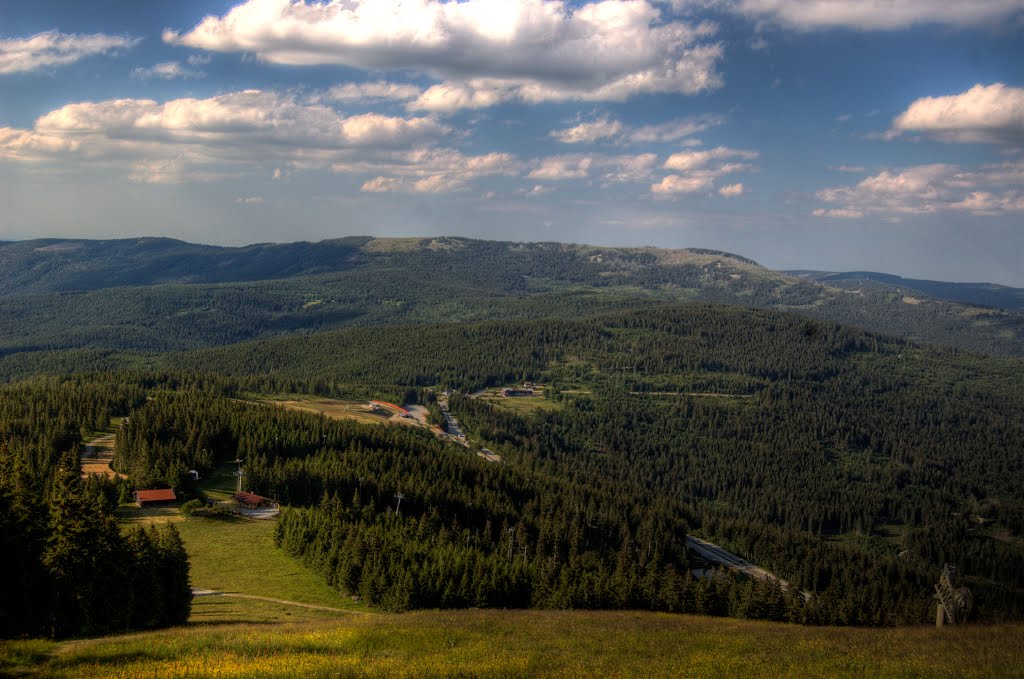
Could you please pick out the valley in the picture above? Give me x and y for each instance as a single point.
(751, 466)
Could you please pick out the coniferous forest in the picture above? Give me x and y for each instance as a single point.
(71, 569)
(853, 465)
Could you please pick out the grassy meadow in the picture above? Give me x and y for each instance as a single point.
(487, 643)
(238, 556)
(275, 618)
(232, 635)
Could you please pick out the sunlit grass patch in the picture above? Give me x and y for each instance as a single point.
(546, 644)
(238, 555)
(18, 654)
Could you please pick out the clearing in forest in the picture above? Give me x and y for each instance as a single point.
(364, 412)
(98, 453)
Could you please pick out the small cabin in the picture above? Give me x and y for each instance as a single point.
(157, 496)
(253, 501)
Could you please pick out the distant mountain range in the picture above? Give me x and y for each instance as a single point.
(978, 294)
(153, 295)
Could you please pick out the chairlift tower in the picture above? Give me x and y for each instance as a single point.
(400, 498)
(238, 474)
(953, 603)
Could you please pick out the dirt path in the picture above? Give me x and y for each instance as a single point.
(199, 591)
(97, 455)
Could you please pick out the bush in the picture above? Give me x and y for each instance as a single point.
(190, 507)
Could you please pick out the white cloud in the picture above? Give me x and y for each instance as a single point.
(839, 213)
(373, 91)
(673, 130)
(557, 168)
(167, 70)
(53, 48)
(426, 170)
(614, 131)
(608, 169)
(809, 15)
(626, 169)
(984, 113)
(249, 200)
(930, 189)
(679, 184)
(695, 160)
(188, 138)
(588, 133)
(696, 171)
(485, 52)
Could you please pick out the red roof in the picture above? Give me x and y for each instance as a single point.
(392, 406)
(158, 495)
(250, 498)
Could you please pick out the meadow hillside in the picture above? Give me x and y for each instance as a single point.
(479, 643)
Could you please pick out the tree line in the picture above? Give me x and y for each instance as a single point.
(71, 570)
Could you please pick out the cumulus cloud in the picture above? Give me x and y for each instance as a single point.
(605, 169)
(562, 167)
(484, 52)
(605, 129)
(683, 184)
(732, 190)
(197, 138)
(984, 113)
(588, 133)
(930, 189)
(698, 160)
(167, 70)
(426, 170)
(886, 15)
(373, 91)
(696, 171)
(838, 213)
(53, 48)
(627, 169)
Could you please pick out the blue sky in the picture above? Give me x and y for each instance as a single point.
(865, 134)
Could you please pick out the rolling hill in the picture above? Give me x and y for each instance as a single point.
(976, 294)
(157, 295)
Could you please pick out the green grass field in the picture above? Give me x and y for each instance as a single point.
(522, 404)
(238, 556)
(482, 643)
(239, 637)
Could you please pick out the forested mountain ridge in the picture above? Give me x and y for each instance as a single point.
(156, 295)
(58, 265)
(978, 294)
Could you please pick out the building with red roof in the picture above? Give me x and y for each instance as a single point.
(154, 497)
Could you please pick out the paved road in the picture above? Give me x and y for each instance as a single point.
(453, 424)
(715, 554)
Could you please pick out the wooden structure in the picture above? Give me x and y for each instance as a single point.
(157, 496)
(252, 501)
(516, 391)
(953, 603)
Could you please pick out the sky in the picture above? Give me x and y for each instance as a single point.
(839, 135)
